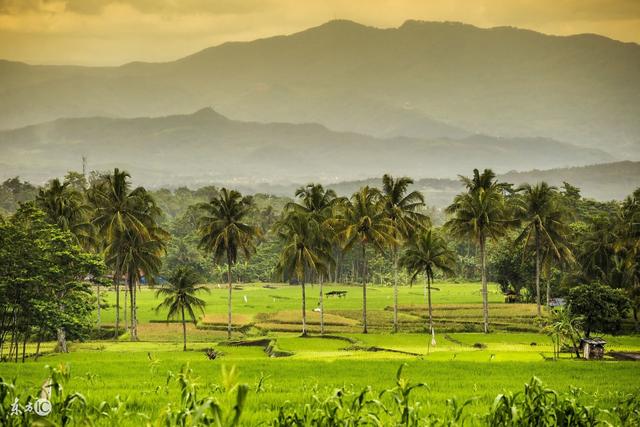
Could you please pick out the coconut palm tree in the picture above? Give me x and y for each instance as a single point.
(597, 248)
(123, 216)
(180, 296)
(305, 251)
(223, 232)
(362, 221)
(402, 210)
(544, 227)
(137, 256)
(426, 253)
(320, 204)
(479, 214)
(66, 207)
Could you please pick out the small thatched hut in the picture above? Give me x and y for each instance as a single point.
(592, 348)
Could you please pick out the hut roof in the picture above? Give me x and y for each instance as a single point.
(592, 341)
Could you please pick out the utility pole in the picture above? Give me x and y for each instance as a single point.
(84, 166)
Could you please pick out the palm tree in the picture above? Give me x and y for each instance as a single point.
(180, 296)
(137, 256)
(479, 214)
(597, 248)
(223, 232)
(320, 204)
(314, 200)
(544, 226)
(66, 207)
(305, 251)
(362, 221)
(402, 209)
(123, 216)
(426, 253)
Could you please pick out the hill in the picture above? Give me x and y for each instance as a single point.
(423, 80)
(610, 181)
(207, 147)
(602, 182)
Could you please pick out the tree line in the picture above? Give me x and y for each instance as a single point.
(118, 232)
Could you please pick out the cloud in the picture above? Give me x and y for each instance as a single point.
(16, 7)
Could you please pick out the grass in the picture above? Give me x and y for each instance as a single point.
(461, 364)
(125, 369)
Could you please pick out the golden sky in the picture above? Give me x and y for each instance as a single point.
(112, 32)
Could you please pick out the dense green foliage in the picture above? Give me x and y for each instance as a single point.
(44, 283)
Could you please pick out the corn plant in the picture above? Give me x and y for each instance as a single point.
(342, 409)
(400, 395)
(540, 406)
(207, 411)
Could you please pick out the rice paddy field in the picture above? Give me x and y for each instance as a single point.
(282, 368)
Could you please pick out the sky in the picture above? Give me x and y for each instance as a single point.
(113, 32)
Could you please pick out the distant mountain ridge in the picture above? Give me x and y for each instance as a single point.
(206, 146)
(421, 80)
(602, 182)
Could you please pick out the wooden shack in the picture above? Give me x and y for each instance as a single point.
(592, 348)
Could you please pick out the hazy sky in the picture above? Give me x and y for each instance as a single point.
(112, 32)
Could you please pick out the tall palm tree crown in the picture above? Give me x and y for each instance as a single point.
(314, 200)
(478, 214)
(66, 207)
(402, 209)
(223, 232)
(544, 227)
(180, 297)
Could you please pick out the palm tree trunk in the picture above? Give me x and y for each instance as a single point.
(98, 297)
(304, 310)
(24, 346)
(321, 307)
(364, 289)
(229, 297)
(538, 271)
(184, 332)
(134, 309)
(429, 303)
(124, 311)
(485, 296)
(116, 280)
(132, 300)
(395, 289)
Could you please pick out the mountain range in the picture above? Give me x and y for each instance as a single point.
(206, 147)
(420, 81)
